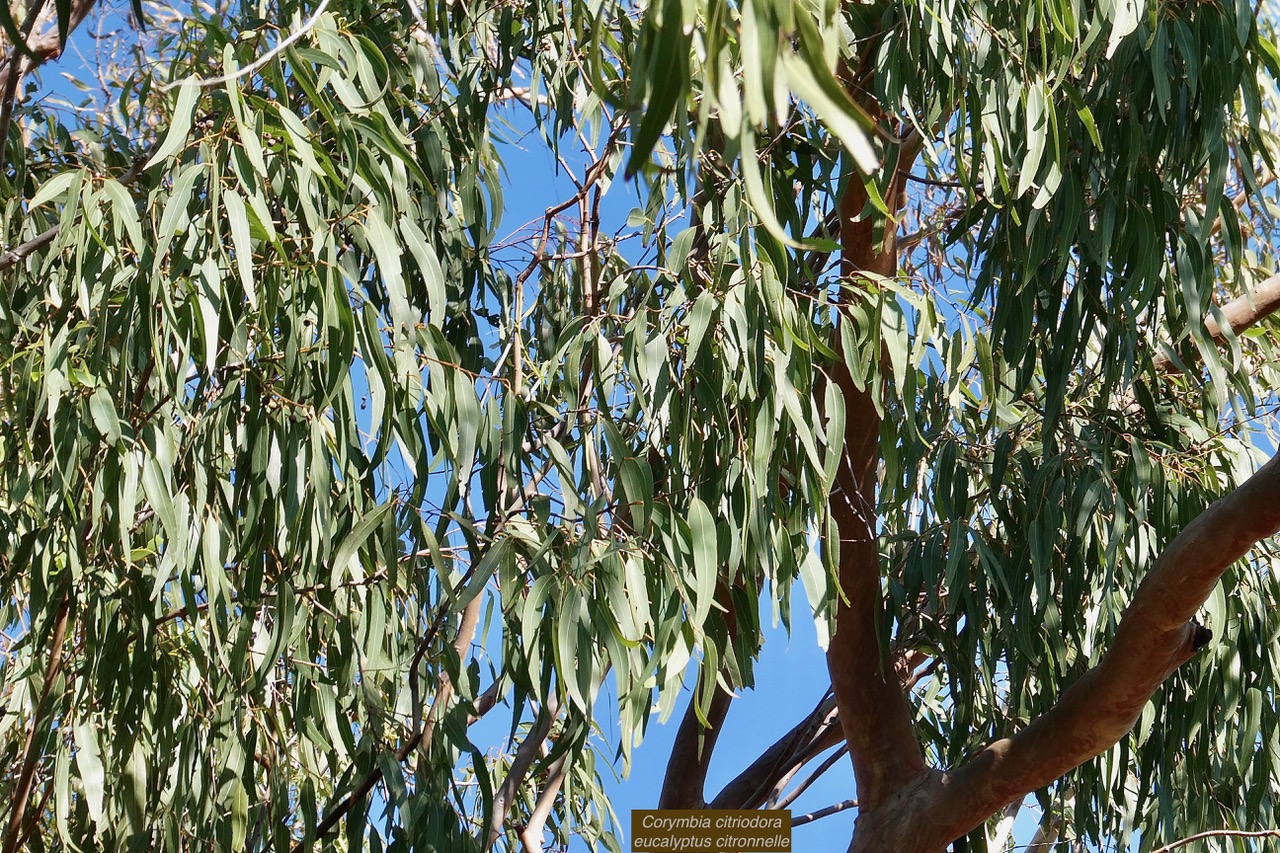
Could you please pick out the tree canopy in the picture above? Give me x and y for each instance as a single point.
(945, 325)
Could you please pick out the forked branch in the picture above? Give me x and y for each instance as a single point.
(1155, 636)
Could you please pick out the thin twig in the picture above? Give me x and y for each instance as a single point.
(1233, 833)
(824, 812)
(18, 253)
(257, 63)
(30, 755)
(826, 765)
(465, 633)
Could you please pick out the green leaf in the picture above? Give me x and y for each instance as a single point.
(93, 775)
(342, 566)
(668, 81)
(63, 9)
(429, 265)
(103, 412)
(55, 187)
(637, 487)
(238, 219)
(706, 560)
(1037, 137)
(812, 81)
(180, 121)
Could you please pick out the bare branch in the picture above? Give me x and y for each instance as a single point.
(684, 786)
(484, 702)
(818, 731)
(16, 255)
(271, 54)
(40, 49)
(1048, 831)
(444, 686)
(531, 835)
(999, 837)
(505, 794)
(827, 764)
(823, 812)
(13, 72)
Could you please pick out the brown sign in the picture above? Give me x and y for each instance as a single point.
(710, 830)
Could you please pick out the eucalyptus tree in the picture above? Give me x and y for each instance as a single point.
(309, 467)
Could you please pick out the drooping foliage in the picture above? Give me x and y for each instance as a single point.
(312, 459)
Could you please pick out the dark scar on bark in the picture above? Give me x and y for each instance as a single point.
(1200, 637)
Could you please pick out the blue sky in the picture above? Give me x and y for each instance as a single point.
(791, 674)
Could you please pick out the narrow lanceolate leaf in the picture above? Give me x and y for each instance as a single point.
(361, 439)
(180, 121)
(706, 561)
(103, 412)
(92, 772)
(387, 250)
(344, 563)
(669, 68)
(238, 219)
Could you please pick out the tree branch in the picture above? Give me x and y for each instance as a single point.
(505, 795)
(1155, 636)
(823, 812)
(684, 786)
(1232, 833)
(874, 713)
(444, 686)
(10, 84)
(466, 632)
(17, 254)
(531, 835)
(818, 731)
(30, 755)
(794, 794)
(1240, 313)
(997, 839)
(38, 50)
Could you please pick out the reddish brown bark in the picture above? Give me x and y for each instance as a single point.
(874, 713)
(31, 755)
(1154, 638)
(908, 807)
